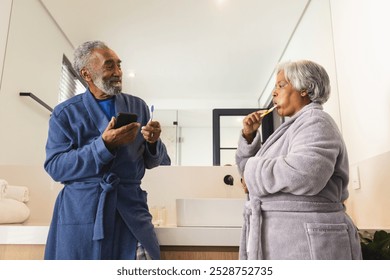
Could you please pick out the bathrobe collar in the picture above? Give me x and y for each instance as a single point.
(95, 112)
(309, 106)
(281, 129)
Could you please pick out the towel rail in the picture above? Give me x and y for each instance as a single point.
(37, 99)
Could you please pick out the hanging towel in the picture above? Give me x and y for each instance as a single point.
(12, 211)
(19, 193)
(3, 187)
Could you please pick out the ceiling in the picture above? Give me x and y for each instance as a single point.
(187, 53)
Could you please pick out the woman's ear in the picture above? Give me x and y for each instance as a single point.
(303, 93)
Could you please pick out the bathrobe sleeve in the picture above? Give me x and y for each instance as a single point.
(246, 151)
(156, 159)
(313, 145)
(67, 160)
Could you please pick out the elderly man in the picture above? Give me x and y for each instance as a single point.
(101, 213)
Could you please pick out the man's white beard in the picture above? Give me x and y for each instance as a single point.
(105, 86)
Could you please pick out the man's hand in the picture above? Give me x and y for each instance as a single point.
(151, 131)
(114, 138)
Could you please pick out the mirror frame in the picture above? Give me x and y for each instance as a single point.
(267, 127)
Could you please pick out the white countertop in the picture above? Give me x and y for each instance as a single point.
(167, 235)
(23, 234)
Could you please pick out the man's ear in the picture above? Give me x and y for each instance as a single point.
(85, 74)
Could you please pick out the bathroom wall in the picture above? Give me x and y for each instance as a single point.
(362, 44)
(369, 204)
(33, 60)
(362, 54)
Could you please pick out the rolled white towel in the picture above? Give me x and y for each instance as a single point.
(19, 193)
(3, 187)
(12, 211)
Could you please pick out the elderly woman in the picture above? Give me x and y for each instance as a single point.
(297, 180)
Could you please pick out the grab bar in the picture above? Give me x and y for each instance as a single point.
(37, 99)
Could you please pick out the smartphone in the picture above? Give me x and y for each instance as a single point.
(124, 119)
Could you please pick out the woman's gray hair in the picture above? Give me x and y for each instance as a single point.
(83, 53)
(306, 75)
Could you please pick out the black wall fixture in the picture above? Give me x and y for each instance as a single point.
(37, 99)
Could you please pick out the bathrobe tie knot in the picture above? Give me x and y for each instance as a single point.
(108, 183)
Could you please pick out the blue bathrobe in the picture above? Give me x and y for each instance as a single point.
(297, 183)
(102, 212)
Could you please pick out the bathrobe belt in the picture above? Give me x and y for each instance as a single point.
(253, 220)
(109, 182)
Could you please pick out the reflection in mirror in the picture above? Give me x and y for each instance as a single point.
(187, 135)
(190, 140)
(230, 127)
(227, 124)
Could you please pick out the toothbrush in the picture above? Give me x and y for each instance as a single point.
(268, 111)
(151, 112)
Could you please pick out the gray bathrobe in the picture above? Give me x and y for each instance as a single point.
(297, 184)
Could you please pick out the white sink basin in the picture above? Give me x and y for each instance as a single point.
(209, 212)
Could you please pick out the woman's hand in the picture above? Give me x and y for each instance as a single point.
(245, 188)
(251, 124)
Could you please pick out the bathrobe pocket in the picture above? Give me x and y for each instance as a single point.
(328, 241)
(79, 204)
